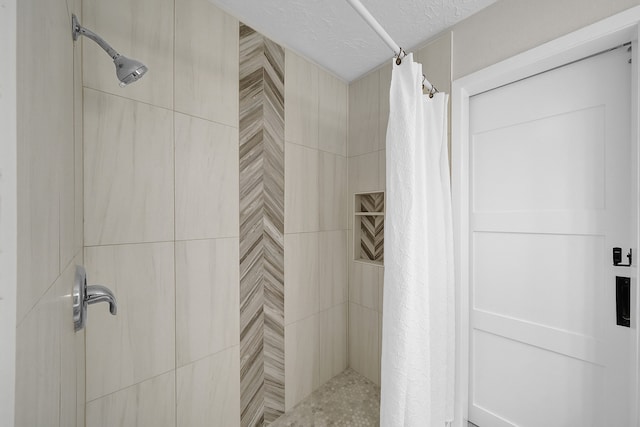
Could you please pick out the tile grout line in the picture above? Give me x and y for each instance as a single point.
(175, 273)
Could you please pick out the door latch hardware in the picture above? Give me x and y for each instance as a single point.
(617, 258)
(623, 301)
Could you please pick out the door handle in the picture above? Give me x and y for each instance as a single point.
(623, 301)
(617, 257)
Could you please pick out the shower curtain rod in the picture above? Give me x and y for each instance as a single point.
(398, 52)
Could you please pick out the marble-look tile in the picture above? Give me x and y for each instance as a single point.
(301, 202)
(72, 354)
(364, 284)
(332, 191)
(206, 62)
(208, 391)
(364, 341)
(45, 146)
(262, 178)
(81, 380)
(382, 169)
(364, 173)
(141, 30)
(38, 364)
(380, 289)
(301, 263)
(364, 115)
(349, 399)
(301, 100)
(332, 116)
(138, 343)
(332, 345)
(301, 358)
(128, 171)
(333, 268)
(385, 86)
(150, 403)
(207, 298)
(207, 188)
(78, 140)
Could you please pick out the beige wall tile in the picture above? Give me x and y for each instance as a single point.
(72, 355)
(333, 268)
(44, 147)
(209, 391)
(332, 191)
(207, 298)
(138, 343)
(301, 263)
(332, 114)
(332, 325)
(364, 284)
(141, 30)
(364, 341)
(385, 86)
(364, 174)
(207, 179)
(300, 101)
(148, 404)
(382, 169)
(128, 171)
(301, 201)
(206, 62)
(38, 364)
(364, 114)
(301, 360)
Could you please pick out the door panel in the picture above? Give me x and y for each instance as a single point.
(552, 175)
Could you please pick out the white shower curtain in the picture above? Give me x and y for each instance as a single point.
(418, 323)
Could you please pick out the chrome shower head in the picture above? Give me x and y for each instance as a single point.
(128, 70)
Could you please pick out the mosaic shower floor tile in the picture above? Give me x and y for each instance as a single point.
(348, 400)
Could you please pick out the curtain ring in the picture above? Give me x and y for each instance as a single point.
(400, 55)
(432, 91)
(423, 79)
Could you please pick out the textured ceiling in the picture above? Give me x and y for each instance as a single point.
(333, 35)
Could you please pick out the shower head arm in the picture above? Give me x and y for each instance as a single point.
(80, 30)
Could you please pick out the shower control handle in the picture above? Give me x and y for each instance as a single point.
(84, 295)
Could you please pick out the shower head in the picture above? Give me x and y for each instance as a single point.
(127, 70)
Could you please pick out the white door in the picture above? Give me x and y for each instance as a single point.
(552, 180)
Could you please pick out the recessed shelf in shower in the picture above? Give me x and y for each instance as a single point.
(368, 227)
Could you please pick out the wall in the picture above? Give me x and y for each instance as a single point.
(49, 355)
(509, 27)
(315, 227)
(163, 192)
(161, 215)
(368, 116)
(8, 211)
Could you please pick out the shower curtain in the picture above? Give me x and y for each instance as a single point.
(418, 324)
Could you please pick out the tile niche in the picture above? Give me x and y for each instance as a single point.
(368, 230)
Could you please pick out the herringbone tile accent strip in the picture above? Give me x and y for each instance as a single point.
(261, 229)
(372, 227)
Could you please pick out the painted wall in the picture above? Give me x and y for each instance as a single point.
(162, 197)
(8, 211)
(49, 355)
(509, 27)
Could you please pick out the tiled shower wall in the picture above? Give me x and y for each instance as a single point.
(49, 355)
(162, 219)
(368, 116)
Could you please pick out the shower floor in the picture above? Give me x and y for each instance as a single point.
(348, 399)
